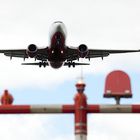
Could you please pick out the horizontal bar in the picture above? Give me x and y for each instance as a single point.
(35, 109)
(113, 109)
(50, 109)
(68, 109)
(14, 109)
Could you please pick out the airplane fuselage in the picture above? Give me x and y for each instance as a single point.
(57, 48)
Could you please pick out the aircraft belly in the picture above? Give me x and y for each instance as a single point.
(56, 65)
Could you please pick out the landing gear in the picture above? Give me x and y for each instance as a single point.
(44, 64)
(71, 64)
(40, 64)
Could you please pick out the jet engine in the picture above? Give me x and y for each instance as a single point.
(32, 50)
(83, 50)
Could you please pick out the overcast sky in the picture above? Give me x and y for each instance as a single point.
(99, 24)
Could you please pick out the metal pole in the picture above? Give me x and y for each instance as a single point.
(113, 108)
(80, 109)
(36, 109)
(80, 117)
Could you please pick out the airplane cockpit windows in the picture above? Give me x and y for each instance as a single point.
(58, 27)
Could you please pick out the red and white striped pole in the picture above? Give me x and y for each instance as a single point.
(80, 112)
(113, 108)
(59, 109)
(50, 109)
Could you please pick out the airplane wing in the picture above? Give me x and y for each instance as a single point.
(15, 53)
(73, 53)
(103, 53)
(22, 53)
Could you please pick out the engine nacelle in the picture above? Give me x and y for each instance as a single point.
(83, 50)
(32, 50)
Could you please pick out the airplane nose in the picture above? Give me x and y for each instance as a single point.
(59, 28)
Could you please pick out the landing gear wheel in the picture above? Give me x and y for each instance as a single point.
(40, 64)
(44, 64)
(69, 64)
(73, 64)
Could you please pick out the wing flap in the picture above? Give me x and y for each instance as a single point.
(15, 53)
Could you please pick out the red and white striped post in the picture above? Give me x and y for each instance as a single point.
(80, 112)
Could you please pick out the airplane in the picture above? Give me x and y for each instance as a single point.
(57, 53)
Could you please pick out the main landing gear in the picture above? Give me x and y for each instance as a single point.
(71, 64)
(44, 64)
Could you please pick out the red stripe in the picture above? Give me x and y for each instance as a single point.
(14, 109)
(135, 108)
(68, 109)
(93, 109)
(81, 128)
